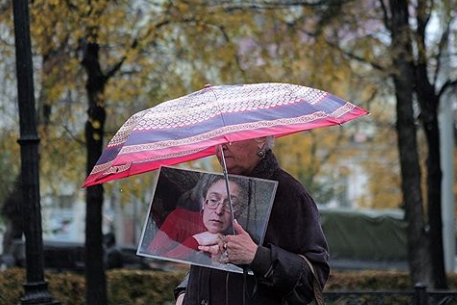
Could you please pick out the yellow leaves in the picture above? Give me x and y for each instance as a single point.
(96, 125)
(182, 7)
(96, 136)
(307, 151)
(8, 142)
(62, 158)
(136, 189)
(55, 2)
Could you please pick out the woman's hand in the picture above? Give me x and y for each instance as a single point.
(180, 299)
(208, 239)
(237, 249)
(210, 243)
(240, 249)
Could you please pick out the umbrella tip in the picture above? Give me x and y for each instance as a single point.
(207, 86)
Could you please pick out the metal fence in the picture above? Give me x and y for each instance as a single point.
(419, 296)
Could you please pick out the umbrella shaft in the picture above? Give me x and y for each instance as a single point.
(224, 170)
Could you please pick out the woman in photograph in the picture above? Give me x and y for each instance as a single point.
(184, 231)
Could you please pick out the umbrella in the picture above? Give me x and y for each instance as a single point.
(191, 126)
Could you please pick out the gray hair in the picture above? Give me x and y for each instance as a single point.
(269, 142)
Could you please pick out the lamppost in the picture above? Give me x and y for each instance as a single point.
(36, 289)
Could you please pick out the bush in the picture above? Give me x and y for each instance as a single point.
(142, 287)
(127, 287)
(368, 280)
(11, 285)
(132, 287)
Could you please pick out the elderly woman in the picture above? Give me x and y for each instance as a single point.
(281, 274)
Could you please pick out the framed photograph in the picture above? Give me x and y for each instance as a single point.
(191, 208)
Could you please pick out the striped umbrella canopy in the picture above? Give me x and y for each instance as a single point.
(190, 127)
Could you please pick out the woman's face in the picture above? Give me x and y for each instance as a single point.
(241, 157)
(216, 211)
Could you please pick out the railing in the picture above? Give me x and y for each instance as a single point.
(420, 296)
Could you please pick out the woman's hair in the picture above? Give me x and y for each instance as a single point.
(243, 183)
(269, 142)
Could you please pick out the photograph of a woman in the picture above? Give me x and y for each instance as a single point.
(192, 229)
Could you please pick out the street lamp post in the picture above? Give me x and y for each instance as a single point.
(36, 289)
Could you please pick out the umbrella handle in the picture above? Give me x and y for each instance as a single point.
(224, 170)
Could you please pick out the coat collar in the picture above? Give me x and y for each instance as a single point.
(266, 167)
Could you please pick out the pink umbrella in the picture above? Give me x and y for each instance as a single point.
(190, 127)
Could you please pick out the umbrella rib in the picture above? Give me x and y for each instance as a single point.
(218, 106)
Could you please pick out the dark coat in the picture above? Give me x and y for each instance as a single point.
(280, 274)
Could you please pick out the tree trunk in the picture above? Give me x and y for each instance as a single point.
(429, 102)
(434, 179)
(95, 271)
(403, 77)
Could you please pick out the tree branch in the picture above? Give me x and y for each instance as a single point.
(441, 45)
(229, 5)
(357, 57)
(385, 15)
(448, 84)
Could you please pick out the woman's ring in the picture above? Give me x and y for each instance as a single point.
(224, 246)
